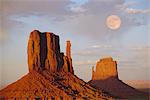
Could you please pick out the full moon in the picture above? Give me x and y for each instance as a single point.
(113, 22)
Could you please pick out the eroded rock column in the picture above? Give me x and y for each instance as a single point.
(68, 54)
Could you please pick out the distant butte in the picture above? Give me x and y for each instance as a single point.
(105, 77)
(105, 68)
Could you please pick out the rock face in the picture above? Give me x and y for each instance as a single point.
(105, 68)
(44, 53)
(50, 86)
(68, 49)
(105, 77)
(50, 74)
(68, 54)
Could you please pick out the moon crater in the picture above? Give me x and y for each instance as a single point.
(113, 22)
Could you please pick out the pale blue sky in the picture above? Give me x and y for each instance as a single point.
(84, 23)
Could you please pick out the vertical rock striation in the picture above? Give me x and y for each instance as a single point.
(34, 51)
(44, 53)
(53, 50)
(105, 77)
(105, 68)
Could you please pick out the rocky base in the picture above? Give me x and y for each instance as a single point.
(105, 77)
(46, 85)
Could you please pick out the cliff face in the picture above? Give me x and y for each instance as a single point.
(105, 77)
(105, 68)
(68, 56)
(50, 74)
(44, 53)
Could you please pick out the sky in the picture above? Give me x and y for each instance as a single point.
(83, 22)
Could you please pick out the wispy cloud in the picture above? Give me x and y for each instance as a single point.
(77, 9)
(147, 48)
(77, 16)
(76, 6)
(137, 11)
(101, 46)
(88, 62)
(127, 8)
(85, 53)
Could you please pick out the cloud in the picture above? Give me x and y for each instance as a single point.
(26, 8)
(85, 53)
(80, 18)
(131, 60)
(145, 48)
(76, 6)
(79, 2)
(101, 46)
(10, 7)
(125, 56)
(137, 11)
(128, 8)
(95, 50)
(87, 17)
(77, 9)
(88, 62)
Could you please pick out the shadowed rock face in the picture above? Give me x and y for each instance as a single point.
(44, 53)
(105, 77)
(50, 74)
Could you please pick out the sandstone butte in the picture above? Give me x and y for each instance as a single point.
(51, 75)
(105, 77)
(44, 53)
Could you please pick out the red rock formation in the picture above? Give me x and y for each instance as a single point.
(68, 54)
(50, 74)
(34, 51)
(46, 85)
(44, 53)
(106, 78)
(53, 52)
(68, 49)
(105, 68)
(66, 63)
(43, 50)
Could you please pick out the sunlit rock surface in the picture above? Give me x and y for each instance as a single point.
(105, 77)
(51, 75)
(105, 68)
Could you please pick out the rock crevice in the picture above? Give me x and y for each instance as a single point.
(44, 53)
